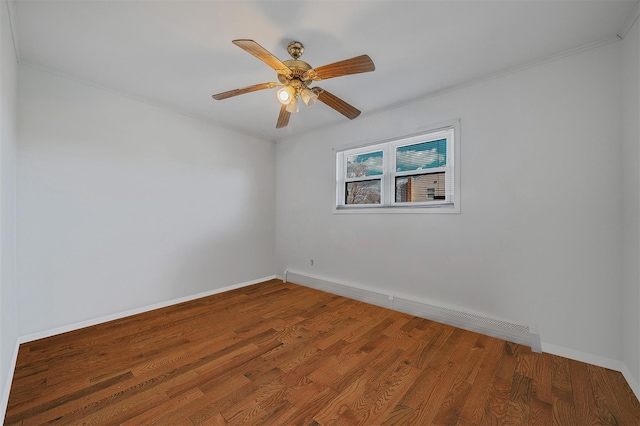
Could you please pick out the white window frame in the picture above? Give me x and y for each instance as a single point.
(451, 204)
(343, 171)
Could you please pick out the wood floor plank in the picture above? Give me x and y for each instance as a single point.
(277, 353)
(387, 393)
(333, 410)
(540, 412)
(477, 402)
(520, 397)
(541, 387)
(400, 415)
(583, 398)
(451, 407)
(605, 400)
(432, 387)
(438, 366)
(625, 399)
(157, 413)
(47, 406)
(497, 403)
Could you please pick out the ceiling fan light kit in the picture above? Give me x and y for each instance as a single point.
(308, 97)
(295, 77)
(293, 105)
(286, 94)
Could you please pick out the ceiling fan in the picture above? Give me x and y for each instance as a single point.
(295, 77)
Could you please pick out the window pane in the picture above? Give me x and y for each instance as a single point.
(421, 156)
(362, 192)
(369, 164)
(420, 188)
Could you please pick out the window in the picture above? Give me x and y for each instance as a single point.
(363, 180)
(413, 171)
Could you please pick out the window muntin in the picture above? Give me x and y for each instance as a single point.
(415, 171)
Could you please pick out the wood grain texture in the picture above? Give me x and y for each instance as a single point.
(280, 354)
(263, 54)
(283, 117)
(242, 91)
(359, 64)
(336, 103)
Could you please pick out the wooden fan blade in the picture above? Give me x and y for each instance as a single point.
(236, 92)
(336, 103)
(283, 118)
(355, 65)
(263, 54)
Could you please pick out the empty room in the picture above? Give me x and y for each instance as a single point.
(320, 212)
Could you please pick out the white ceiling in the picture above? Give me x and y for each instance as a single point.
(176, 54)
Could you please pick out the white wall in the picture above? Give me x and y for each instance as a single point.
(123, 205)
(538, 237)
(8, 283)
(631, 205)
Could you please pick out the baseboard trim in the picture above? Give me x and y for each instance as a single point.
(600, 361)
(95, 321)
(494, 327)
(8, 380)
(633, 383)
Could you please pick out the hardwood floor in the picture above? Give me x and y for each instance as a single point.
(281, 354)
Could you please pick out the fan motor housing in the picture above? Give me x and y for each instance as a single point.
(298, 69)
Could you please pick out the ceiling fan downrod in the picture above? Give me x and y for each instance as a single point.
(295, 49)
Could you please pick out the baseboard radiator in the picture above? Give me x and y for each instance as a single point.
(499, 328)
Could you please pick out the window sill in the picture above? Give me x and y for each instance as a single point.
(438, 209)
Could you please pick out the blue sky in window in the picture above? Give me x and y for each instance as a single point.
(425, 155)
(371, 162)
